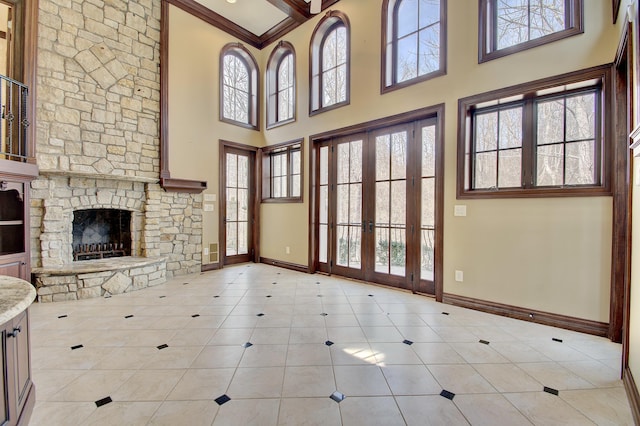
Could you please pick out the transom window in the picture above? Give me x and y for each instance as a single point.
(238, 86)
(414, 41)
(330, 68)
(546, 138)
(509, 26)
(282, 172)
(281, 85)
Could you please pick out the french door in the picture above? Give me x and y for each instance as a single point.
(237, 204)
(379, 208)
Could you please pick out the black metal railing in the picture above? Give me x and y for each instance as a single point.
(13, 120)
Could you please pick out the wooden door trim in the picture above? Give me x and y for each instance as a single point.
(254, 200)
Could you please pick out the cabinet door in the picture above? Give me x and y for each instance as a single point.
(4, 394)
(21, 358)
(12, 266)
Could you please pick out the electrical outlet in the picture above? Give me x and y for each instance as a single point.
(287, 250)
(205, 251)
(460, 210)
(459, 276)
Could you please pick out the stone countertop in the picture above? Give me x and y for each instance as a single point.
(16, 295)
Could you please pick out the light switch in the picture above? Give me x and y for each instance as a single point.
(210, 197)
(460, 210)
(208, 207)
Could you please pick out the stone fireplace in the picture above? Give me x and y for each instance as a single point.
(98, 147)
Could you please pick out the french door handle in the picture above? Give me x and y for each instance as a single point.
(370, 226)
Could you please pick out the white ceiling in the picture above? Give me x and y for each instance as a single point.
(256, 16)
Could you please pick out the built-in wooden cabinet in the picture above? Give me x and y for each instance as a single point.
(14, 228)
(17, 393)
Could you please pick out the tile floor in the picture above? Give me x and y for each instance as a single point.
(259, 345)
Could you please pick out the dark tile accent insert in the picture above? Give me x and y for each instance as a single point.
(108, 296)
(445, 313)
(447, 394)
(557, 340)
(552, 391)
(260, 314)
(328, 343)
(185, 283)
(370, 295)
(222, 399)
(215, 297)
(128, 316)
(324, 314)
(274, 283)
(103, 401)
(62, 316)
(317, 282)
(407, 342)
(268, 295)
(247, 345)
(161, 297)
(337, 396)
(484, 342)
(195, 315)
(163, 346)
(76, 347)
(319, 295)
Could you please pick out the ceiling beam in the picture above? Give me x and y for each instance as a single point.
(296, 9)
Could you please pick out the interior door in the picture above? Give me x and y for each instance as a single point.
(237, 205)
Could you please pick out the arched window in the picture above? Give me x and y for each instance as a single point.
(281, 85)
(414, 41)
(330, 63)
(238, 86)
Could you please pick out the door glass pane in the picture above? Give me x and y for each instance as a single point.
(232, 170)
(237, 201)
(382, 250)
(428, 203)
(427, 247)
(391, 202)
(349, 204)
(399, 155)
(323, 237)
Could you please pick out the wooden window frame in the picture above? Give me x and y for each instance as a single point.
(266, 155)
(487, 28)
(529, 93)
(281, 51)
(388, 81)
(243, 54)
(327, 24)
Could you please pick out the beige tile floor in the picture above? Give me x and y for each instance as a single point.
(288, 374)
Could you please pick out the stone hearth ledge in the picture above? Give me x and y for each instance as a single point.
(83, 175)
(16, 295)
(87, 279)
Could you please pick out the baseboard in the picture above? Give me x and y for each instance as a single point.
(632, 394)
(570, 323)
(286, 265)
(209, 267)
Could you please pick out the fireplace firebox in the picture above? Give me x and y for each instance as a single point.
(101, 233)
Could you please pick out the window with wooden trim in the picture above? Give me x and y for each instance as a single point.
(282, 172)
(414, 41)
(330, 63)
(510, 26)
(281, 85)
(238, 86)
(545, 138)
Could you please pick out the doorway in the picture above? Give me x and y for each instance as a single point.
(377, 210)
(237, 203)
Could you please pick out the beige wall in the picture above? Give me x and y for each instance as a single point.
(194, 127)
(634, 319)
(546, 254)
